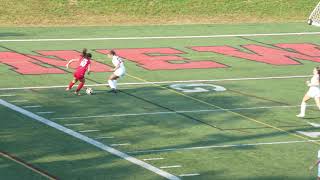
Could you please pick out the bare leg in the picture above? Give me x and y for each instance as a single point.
(303, 106)
(317, 102)
(82, 81)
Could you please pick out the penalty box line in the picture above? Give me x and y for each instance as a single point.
(226, 110)
(164, 82)
(89, 140)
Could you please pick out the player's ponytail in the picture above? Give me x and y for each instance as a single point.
(84, 52)
(88, 55)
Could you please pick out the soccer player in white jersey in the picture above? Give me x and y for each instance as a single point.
(313, 92)
(118, 71)
(317, 164)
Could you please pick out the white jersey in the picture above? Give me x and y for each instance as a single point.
(314, 81)
(314, 90)
(116, 60)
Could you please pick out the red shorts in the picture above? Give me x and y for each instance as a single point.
(78, 75)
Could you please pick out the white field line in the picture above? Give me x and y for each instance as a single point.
(45, 112)
(218, 146)
(75, 124)
(17, 101)
(89, 140)
(162, 37)
(167, 167)
(153, 159)
(187, 175)
(123, 144)
(163, 82)
(172, 112)
(35, 106)
(89, 130)
(7, 95)
(105, 137)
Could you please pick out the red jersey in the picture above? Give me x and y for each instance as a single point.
(83, 66)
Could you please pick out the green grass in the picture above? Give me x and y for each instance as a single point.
(123, 12)
(163, 134)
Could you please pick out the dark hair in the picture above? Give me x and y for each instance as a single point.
(88, 55)
(84, 52)
(112, 52)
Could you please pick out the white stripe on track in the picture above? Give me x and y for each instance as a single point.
(187, 175)
(35, 106)
(89, 140)
(89, 130)
(123, 144)
(153, 159)
(163, 82)
(162, 37)
(105, 137)
(45, 112)
(17, 101)
(167, 167)
(75, 124)
(171, 112)
(7, 95)
(217, 146)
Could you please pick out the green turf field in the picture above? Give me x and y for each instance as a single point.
(248, 131)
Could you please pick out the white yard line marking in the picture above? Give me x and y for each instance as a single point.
(162, 37)
(75, 124)
(16, 101)
(167, 167)
(105, 137)
(35, 106)
(45, 112)
(153, 159)
(172, 112)
(218, 146)
(165, 82)
(187, 175)
(90, 130)
(123, 144)
(7, 95)
(314, 124)
(89, 140)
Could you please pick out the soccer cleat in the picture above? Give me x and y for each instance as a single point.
(67, 89)
(77, 93)
(300, 115)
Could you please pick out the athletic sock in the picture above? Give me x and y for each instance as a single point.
(71, 84)
(110, 82)
(303, 108)
(114, 84)
(80, 86)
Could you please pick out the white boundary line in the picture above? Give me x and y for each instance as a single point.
(105, 137)
(45, 112)
(163, 82)
(167, 167)
(17, 101)
(35, 106)
(89, 130)
(218, 146)
(75, 124)
(172, 112)
(89, 140)
(187, 175)
(162, 37)
(152, 159)
(7, 95)
(122, 144)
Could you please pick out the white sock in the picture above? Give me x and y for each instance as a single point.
(114, 84)
(303, 108)
(110, 82)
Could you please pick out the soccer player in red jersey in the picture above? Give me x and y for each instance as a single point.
(78, 75)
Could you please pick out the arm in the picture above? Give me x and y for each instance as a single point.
(311, 167)
(72, 60)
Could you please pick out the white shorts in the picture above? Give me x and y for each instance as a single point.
(314, 92)
(120, 72)
(318, 170)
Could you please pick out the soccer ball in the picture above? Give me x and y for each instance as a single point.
(89, 91)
